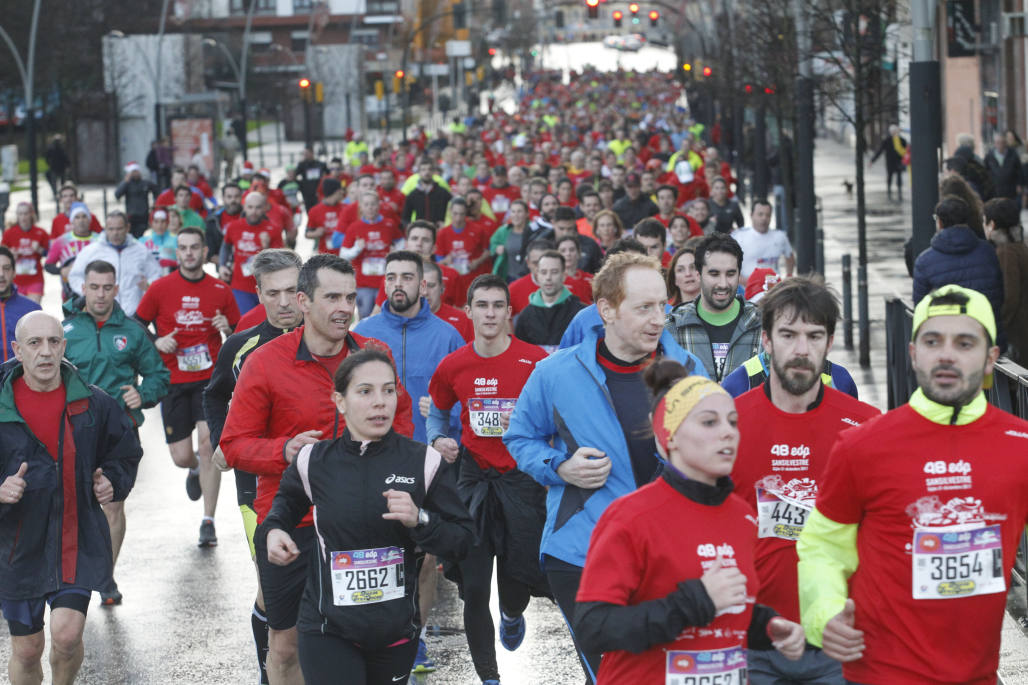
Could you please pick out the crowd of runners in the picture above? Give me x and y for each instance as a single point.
(546, 344)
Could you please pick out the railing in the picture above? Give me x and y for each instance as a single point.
(1009, 392)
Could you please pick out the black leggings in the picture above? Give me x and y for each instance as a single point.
(476, 572)
(328, 659)
(564, 580)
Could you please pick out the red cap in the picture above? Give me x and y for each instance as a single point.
(759, 282)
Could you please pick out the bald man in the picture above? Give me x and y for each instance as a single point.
(55, 546)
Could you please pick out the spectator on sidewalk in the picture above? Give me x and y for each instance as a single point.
(1004, 166)
(57, 163)
(894, 147)
(958, 257)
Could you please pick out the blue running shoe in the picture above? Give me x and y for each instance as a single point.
(512, 632)
(490, 682)
(422, 663)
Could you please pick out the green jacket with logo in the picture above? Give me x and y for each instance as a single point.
(117, 354)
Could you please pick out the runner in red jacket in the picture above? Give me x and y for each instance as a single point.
(270, 420)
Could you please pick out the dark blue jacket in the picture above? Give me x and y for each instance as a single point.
(959, 257)
(35, 559)
(12, 309)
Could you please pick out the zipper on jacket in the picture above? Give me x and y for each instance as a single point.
(403, 355)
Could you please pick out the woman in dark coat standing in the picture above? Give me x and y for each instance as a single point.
(1002, 226)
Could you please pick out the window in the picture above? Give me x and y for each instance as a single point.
(302, 6)
(383, 7)
(263, 6)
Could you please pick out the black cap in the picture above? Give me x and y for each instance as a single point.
(633, 179)
(500, 170)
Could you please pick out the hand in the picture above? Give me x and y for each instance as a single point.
(505, 420)
(220, 321)
(130, 396)
(218, 459)
(167, 344)
(297, 442)
(841, 640)
(725, 585)
(359, 244)
(424, 404)
(265, 241)
(587, 468)
(13, 487)
(143, 283)
(34, 247)
(401, 508)
(315, 233)
(282, 551)
(448, 448)
(225, 273)
(500, 249)
(102, 487)
(787, 637)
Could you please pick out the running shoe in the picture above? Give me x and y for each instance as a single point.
(512, 632)
(422, 663)
(208, 538)
(193, 485)
(490, 682)
(110, 595)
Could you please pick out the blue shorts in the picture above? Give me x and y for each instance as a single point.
(245, 301)
(25, 616)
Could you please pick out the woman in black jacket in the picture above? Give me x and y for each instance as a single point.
(381, 501)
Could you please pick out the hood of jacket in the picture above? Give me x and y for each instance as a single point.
(75, 389)
(76, 306)
(422, 318)
(955, 240)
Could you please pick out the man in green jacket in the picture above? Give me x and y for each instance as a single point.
(112, 351)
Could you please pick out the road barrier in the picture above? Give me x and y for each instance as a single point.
(1009, 392)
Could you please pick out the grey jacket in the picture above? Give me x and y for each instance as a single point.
(688, 330)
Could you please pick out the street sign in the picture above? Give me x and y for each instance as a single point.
(436, 70)
(469, 62)
(458, 48)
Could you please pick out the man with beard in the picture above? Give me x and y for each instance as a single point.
(217, 221)
(788, 427)
(417, 338)
(904, 561)
(720, 328)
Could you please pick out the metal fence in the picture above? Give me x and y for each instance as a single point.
(1009, 392)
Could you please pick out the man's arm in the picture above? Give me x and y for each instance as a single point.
(528, 437)
(244, 439)
(218, 393)
(117, 450)
(827, 558)
(155, 377)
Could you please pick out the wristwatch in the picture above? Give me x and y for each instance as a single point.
(423, 518)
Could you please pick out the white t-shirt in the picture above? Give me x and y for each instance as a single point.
(761, 250)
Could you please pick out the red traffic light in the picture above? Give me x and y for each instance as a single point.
(769, 90)
(592, 3)
(492, 52)
(617, 15)
(634, 8)
(654, 15)
(399, 73)
(749, 89)
(707, 71)
(305, 83)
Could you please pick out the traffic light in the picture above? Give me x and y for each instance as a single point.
(459, 18)
(633, 8)
(594, 8)
(707, 71)
(492, 52)
(379, 89)
(319, 92)
(748, 88)
(654, 17)
(398, 81)
(687, 68)
(305, 89)
(618, 16)
(558, 19)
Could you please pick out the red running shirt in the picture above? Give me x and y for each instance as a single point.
(28, 262)
(378, 238)
(897, 475)
(328, 218)
(173, 302)
(785, 455)
(638, 553)
(485, 387)
(247, 240)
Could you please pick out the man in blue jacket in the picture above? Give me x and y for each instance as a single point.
(12, 305)
(591, 402)
(67, 448)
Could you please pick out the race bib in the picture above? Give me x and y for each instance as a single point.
(958, 563)
(501, 203)
(313, 174)
(26, 266)
(779, 517)
(484, 415)
(373, 266)
(712, 667)
(460, 264)
(195, 358)
(367, 576)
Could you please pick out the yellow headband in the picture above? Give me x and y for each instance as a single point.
(678, 402)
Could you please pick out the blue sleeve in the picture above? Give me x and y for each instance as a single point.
(336, 241)
(436, 424)
(737, 382)
(531, 427)
(572, 334)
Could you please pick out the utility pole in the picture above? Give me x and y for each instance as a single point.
(926, 133)
(806, 213)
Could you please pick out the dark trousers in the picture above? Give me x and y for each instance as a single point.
(564, 580)
(476, 572)
(898, 173)
(329, 659)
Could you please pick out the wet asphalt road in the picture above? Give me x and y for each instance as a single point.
(186, 613)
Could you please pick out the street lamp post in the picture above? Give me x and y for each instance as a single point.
(157, 68)
(27, 74)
